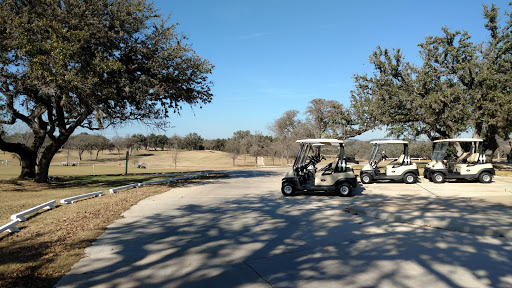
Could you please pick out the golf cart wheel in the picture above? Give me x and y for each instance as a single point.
(344, 190)
(438, 177)
(288, 189)
(410, 178)
(485, 177)
(366, 178)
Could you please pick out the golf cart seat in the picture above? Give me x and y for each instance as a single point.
(399, 161)
(473, 158)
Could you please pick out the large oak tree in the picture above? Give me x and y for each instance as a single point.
(66, 64)
(459, 86)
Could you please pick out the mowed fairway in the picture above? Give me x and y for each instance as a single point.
(112, 163)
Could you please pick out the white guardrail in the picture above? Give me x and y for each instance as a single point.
(19, 217)
(114, 190)
(72, 199)
(10, 227)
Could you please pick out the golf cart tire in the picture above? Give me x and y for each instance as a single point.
(438, 177)
(366, 178)
(485, 177)
(288, 189)
(344, 190)
(410, 178)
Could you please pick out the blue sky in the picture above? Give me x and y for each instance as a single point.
(271, 56)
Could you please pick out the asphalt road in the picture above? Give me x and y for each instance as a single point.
(241, 232)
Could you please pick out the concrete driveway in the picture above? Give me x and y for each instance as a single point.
(241, 232)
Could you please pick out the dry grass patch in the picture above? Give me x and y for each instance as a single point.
(156, 162)
(50, 242)
(503, 170)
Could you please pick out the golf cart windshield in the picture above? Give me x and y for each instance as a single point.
(387, 147)
(375, 149)
(439, 151)
(309, 151)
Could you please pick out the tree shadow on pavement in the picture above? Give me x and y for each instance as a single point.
(255, 173)
(286, 242)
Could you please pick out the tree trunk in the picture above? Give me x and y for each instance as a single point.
(490, 141)
(28, 167)
(44, 168)
(26, 153)
(45, 160)
(43, 165)
(27, 158)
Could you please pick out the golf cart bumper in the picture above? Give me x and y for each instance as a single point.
(490, 170)
(351, 181)
(426, 171)
(293, 180)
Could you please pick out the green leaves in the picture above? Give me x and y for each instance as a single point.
(459, 86)
(93, 64)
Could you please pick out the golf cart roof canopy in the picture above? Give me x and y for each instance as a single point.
(321, 141)
(389, 142)
(459, 140)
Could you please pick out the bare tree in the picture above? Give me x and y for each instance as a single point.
(175, 156)
(101, 143)
(80, 142)
(258, 144)
(234, 148)
(174, 150)
(118, 143)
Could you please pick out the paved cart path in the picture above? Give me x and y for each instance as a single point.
(241, 232)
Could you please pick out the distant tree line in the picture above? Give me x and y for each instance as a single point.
(279, 149)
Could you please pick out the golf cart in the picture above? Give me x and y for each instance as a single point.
(400, 168)
(471, 164)
(336, 176)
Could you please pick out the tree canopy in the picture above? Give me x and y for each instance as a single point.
(66, 64)
(459, 86)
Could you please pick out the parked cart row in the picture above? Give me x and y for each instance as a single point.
(339, 177)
